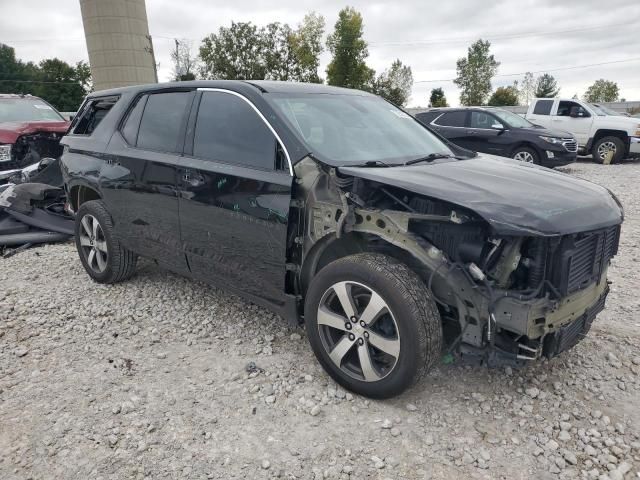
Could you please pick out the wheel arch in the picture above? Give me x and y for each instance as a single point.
(621, 134)
(81, 193)
(527, 144)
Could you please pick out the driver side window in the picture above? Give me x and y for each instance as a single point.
(565, 107)
(483, 120)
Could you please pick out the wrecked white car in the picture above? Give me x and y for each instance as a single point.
(334, 208)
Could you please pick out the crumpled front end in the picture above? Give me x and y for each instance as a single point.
(504, 296)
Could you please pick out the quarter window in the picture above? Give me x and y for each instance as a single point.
(132, 123)
(543, 107)
(229, 130)
(92, 114)
(161, 121)
(452, 119)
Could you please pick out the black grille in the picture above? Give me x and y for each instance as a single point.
(583, 257)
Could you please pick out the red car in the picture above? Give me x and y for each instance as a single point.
(30, 129)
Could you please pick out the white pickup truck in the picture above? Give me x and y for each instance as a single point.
(597, 129)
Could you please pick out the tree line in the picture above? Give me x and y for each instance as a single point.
(476, 71)
(63, 85)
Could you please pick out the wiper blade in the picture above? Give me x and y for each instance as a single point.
(429, 158)
(372, 163)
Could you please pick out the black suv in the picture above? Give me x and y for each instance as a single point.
(334, 208)
(500, 132)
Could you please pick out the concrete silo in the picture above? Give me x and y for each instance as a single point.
(118, 41)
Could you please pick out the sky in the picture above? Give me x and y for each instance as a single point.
(565, 38)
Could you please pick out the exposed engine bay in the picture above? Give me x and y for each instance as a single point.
(502, 298)
(30, 149)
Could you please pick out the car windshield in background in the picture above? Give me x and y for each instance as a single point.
(513, 119)
(603, 111)
(27, 110)
(353, 129)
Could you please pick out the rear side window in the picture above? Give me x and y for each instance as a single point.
(543, 107)
(229, 130)
(452, 119)
(161, 121)
(92, 114)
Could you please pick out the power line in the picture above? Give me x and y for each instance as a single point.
(546, 70)
(497, 37)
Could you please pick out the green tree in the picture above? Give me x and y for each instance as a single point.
(349, 50)
(602, 91)
(546, 86)
(395, 83)
(61, 84)
(306, 43)
(437, 98)
(236, 52)
(504, 96)
(474, 73)
(275, 52)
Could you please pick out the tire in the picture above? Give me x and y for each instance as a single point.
(526, 155)
(605, 144)
(409, 327)
(110, 262)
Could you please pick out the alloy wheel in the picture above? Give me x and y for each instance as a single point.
(604, 148)
(93, 244)
(358, 331)
(523, 157)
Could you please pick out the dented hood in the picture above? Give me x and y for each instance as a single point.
(10, 131)
(514, 198)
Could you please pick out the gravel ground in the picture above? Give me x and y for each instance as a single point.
(163, 378)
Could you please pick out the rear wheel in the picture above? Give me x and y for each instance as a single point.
(101, 254)
(526, 155)
(372, 324)
(607, 145)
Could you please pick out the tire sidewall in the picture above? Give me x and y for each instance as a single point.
(409, 359)
(92, 208)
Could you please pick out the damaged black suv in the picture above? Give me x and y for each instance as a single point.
(334, 208)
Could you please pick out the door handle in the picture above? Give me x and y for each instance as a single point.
(471, 132)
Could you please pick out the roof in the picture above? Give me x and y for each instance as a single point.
(16, 95)
(265, 86)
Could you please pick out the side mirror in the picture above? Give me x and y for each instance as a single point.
(497, 126)
(575, 112)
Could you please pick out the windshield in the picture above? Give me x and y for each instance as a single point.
(27, 110)
(512, 119)
(603, 111)
(353, 129)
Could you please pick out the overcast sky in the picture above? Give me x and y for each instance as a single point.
(526, 35)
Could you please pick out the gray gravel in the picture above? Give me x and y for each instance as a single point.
(164, 378)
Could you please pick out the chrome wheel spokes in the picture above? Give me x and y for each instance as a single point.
(93, 243)
(358, 331)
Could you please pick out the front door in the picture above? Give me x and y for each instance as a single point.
(235, 190)
(487, 134)
(573, 117)
(143, 160)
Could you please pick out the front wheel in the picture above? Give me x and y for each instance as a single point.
(608, 146)
(526, 155)
(372, 324)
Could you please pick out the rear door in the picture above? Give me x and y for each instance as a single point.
(144, 156)
(573, 117)
(541, 113)
(452, 126)
(235, 190)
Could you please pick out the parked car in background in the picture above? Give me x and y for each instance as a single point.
(499, 132)
(338, 210)
(596, 129)
(30, 130)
